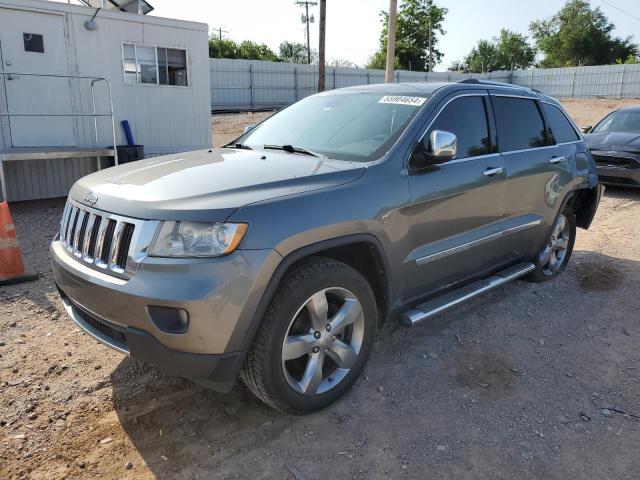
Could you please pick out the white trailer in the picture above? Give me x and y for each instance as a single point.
(69, 75)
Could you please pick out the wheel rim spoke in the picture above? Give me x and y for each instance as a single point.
(559, 226)
(343, 354)
(347, 314)
(312, 376)
(553, 262)
(318, 307)
(562, 243)
(297, 346)
(545, 256)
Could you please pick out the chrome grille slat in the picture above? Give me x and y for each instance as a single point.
(105, 251)
(64, 221)
(115, 247)
(67, 224)
(102, 233)
(72, 233)
(81, 228)
(88, 230)
(105, 242)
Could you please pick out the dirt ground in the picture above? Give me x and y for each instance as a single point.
(528, 381)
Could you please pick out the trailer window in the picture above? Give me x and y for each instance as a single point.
(150, 65)
(33, 42)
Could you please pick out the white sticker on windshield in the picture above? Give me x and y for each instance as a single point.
(403, 100)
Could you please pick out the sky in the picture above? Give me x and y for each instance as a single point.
(353, 26)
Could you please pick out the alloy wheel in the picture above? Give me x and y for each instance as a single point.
(323, 341)
(552, 255)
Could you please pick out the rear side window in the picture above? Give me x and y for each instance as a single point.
(520, 125)
(466, 117)
(559, 126)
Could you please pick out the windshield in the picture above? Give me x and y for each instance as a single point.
(353, 126)
(626, 122)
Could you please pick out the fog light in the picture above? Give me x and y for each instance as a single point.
(169, 319)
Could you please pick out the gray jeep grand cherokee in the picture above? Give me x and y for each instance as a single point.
(276, 256)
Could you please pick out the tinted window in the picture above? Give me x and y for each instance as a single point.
(519, 123)
(560, 127)
(467, 119)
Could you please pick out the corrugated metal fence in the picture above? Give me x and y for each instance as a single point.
(255, 85)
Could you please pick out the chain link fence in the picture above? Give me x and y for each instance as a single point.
(238, 85)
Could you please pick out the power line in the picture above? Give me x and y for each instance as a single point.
(621, 10)
(219, 31)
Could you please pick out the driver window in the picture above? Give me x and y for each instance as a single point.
(466, 118)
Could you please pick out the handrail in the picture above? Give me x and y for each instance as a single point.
(95, 114)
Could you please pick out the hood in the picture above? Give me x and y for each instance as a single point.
(625, 142)
(208, 185)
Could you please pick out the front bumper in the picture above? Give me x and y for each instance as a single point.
(618, 168)
(221, 296)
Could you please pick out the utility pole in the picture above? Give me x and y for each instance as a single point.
(391, 40)
(220, 32)
(307, 19)
(321, 45)
(430, 56)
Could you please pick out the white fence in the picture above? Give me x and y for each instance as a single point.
(255, 85)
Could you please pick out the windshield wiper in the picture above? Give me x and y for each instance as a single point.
(241, 146)
(294, 149)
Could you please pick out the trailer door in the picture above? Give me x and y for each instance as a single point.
(33, 42)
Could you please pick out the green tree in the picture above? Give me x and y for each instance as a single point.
(221, 48)
(249, 50)
(342, 62)
(483, 57)
(378, 61)
(294, 52)
(457, 66)
(412, 36)
(508, 51)
(579, 35)
(514, 50)
(630, 60)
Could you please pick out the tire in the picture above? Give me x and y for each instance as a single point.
(298, 361)
(556, 251)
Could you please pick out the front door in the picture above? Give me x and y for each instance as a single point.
(457, 207)
(34, 42)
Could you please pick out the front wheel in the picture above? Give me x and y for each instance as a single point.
(315, 338)
(554, 254)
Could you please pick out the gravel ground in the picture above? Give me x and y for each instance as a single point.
(528, 381)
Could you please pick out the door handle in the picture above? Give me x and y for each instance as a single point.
(559, 159)
(12, 77)
(490, 172)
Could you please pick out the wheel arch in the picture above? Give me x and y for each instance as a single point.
(584, 203)
(347, 249)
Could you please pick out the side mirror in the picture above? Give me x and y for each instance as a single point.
(439, 147)
(586, 129)
(248, 128)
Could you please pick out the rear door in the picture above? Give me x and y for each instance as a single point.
(537, 170)
(34, 43)
(456, 207)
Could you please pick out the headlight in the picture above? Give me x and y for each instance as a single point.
(196, 239)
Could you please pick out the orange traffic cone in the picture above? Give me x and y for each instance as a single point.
(11, 264)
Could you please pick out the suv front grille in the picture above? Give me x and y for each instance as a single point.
(104, 241)
(617, 161)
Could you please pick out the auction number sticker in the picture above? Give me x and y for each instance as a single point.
(403, 100)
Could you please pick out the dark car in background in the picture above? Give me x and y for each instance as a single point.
(615, 145)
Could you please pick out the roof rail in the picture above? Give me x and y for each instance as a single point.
(481, 81)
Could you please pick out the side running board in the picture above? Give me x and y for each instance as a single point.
(432, 307)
